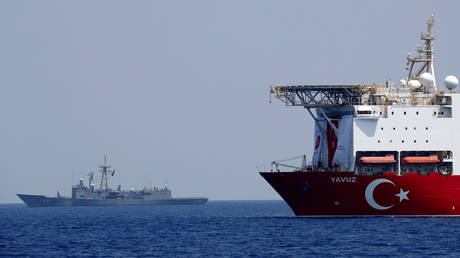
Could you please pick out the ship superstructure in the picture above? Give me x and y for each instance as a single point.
(379, 149)
(89, 195)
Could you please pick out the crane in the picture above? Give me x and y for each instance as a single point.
(303, 166)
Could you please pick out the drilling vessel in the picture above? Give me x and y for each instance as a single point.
(378, 149)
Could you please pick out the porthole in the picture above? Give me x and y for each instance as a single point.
(394, 128)
(402, 141)
(381, 128)
(434, 113)
(415, 141)
(404, 112)
(392, 112)
(391, 141)
(426, 128)
(415, 128)
(405, 127)
(426, 141)
(380, 112)
(416, 113)
(378, 141)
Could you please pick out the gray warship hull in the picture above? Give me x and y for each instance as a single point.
(43, 201)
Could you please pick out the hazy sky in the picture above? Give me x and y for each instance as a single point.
(178, 90)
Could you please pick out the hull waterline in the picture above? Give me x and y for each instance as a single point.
(347, 194)
(43, 201)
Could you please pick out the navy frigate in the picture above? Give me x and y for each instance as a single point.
(83, 195)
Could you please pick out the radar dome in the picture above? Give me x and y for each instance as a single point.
(451, 82)
(402, 82)
(414, 84)
(426, 79)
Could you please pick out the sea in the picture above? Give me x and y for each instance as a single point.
(218, 229)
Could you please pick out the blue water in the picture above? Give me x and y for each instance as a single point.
(219, 228)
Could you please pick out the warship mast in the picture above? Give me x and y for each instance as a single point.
(104, 169)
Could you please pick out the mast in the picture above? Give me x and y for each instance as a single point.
(104, 169)
(425, 56)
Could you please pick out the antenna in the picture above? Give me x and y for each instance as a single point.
(166, 183)
(91, 178)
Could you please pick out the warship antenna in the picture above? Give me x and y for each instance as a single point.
(105, 166)
(91, 178)
(426, 56)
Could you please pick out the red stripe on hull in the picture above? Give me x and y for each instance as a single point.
(347, 194)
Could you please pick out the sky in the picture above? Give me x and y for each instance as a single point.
(178, 91)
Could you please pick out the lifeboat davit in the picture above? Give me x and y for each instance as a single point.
(388, 159)
(433, 158)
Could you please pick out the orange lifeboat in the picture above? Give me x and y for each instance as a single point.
(388, 159)
(433, 158)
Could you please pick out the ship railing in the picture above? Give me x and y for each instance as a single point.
(304, 165)
(313, 96)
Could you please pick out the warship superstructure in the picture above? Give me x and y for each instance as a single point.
(90, 195)
(388, 149)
